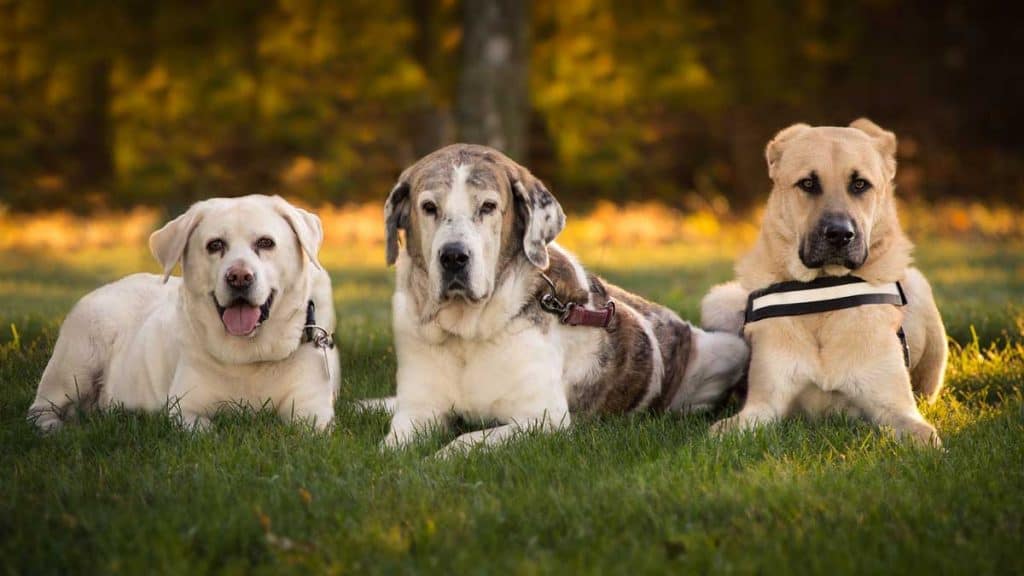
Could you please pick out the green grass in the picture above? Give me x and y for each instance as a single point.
(130, 493)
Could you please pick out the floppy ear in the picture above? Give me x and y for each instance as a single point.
(307, 228)
(168, 243)
(773, 151)
(542, 215)
(396, 215)
(884, 141)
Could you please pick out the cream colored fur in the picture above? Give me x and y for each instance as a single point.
(152, 342)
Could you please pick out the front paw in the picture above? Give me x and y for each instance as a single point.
(388, 405)
(407, 426)
(195, 422)
(47, 421)
(470, 441)
(321, 423)
(453, 449)
(749, 418)
(397, 440)
(319, 420)
(920, 434)
(724, 426)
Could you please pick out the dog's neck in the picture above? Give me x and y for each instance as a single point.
(775, 256)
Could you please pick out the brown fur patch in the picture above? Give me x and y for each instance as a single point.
(626, 360)
(563, 274)
(512, 227)
(675, 339)
(673, 335)
(627, 376)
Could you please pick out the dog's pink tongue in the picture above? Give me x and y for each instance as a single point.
(241, 319)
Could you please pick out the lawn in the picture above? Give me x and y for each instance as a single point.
(126, 493)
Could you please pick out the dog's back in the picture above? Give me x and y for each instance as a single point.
(649, 358)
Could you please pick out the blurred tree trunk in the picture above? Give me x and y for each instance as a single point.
(750, 182)
(431, 125)
(492, 103)
(93, 140)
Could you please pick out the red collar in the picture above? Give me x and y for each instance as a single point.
(573, 314)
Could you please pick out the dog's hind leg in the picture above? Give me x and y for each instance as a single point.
(73, 376)
(929, 373)
(926, 335)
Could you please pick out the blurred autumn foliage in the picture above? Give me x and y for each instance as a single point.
(354, 232)
(113, 104)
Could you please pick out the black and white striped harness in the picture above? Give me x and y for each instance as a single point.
(824, 294)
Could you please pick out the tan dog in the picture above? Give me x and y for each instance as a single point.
(832, 213)
(474, 337)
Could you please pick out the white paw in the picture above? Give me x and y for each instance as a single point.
(456, 448)
(723, 427)
(47, 421)
(919, 434)
(196, 423)
(397, 439)
(378, 404)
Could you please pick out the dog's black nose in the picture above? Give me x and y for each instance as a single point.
(454, 257)
(838, 230)
(239, 277)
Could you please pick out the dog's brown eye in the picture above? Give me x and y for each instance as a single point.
(215, 245)
(859, 186)
(809, 185)
(488, 207)
(429, 208)
(265, 243)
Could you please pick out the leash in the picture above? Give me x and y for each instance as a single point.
(826, 294)
(318, 335)
(573, 314)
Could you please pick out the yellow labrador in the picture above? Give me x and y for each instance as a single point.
(249, 322)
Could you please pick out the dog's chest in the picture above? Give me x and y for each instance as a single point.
(837, 349)
(502, 377)
(522, 373)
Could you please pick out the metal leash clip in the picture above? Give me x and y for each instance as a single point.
(323, 340)
(550, 302)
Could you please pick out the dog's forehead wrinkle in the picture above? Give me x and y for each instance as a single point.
(833, 162)
(431, 173)
(458, 201)
(849, 150)
(483, 177)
